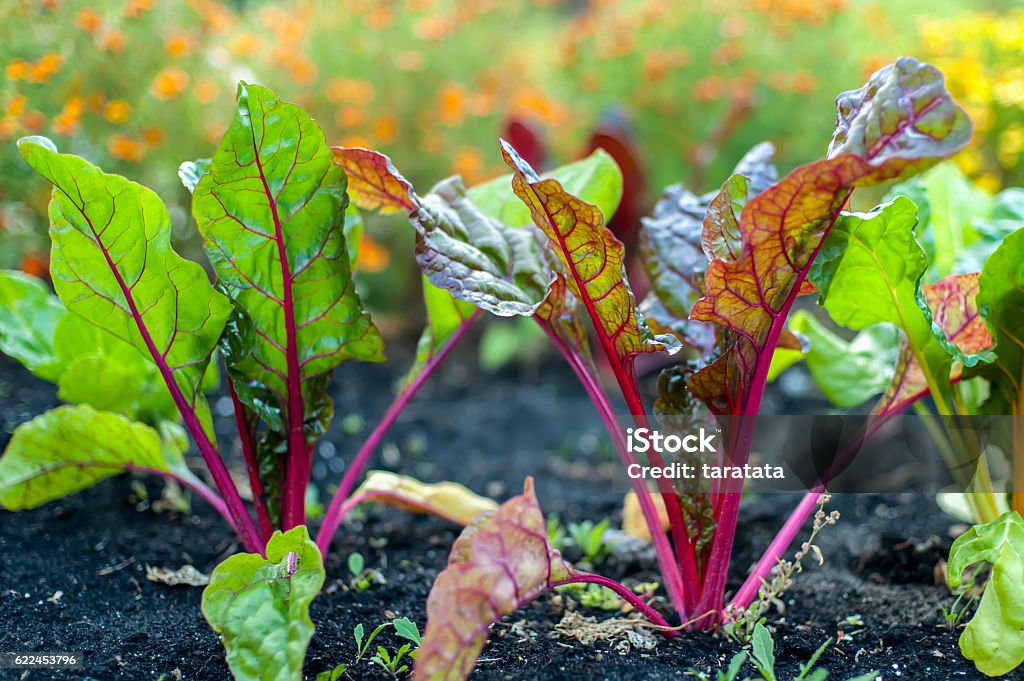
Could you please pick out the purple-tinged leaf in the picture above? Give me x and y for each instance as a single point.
(498, 564)
(901, 122)
(476, 258)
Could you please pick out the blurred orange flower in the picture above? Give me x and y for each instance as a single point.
(153, 135)
(434, 28)
(88, 20)
(113, 41)
(373, 257)
(245, 44)
(385, 129)
(178, 45)
(16, 106)
(125, 148)
(17, 69)
(133, 9)
(169, 83)
(45, 67)
(469, 163)
(34, 121)
(206, 90)
(117, 111)
(349, 117)
(451, 104)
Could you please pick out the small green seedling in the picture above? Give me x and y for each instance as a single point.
(589, 539)
(362, 577)
(556, 532)
(334, 674)
(762, 657)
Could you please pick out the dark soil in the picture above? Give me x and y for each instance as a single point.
(876, 594)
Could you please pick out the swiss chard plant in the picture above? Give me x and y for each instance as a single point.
(726, 269)
(135, 333)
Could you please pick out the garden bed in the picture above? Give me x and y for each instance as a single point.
(879, 591)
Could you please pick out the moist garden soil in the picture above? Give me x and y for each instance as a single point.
(72, 573)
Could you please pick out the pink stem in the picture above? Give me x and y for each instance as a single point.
(339, 508)
(662, 548)
(297, 472)
(624, 593)
(748, 592)
(252, 466)
(713, 592)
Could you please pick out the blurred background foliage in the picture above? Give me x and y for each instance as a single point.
(139, 86)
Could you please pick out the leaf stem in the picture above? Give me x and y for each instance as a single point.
(252, 466)
(339, 508)
(624, 593)
(666, 559)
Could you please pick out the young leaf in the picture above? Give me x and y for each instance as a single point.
(260, 607)
(70, 448)
(763, 649)
(28, 317)
(901, 122)
(498, 564)
(447, 500)
(592, 259)
(994, 638)
(407, 629)
(477, 259)
(112, 263)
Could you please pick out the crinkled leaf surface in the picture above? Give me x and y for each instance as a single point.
(271, 210)
(592, 259)
(112, 263)
(953, 307)
(70, 448)
(476, 258)
(28, 317)
(673, 255)
(498, 564)
(1001, 303)
(260, 607)
(596, 179)
(902, 121)
(447, 500)
(994, 638)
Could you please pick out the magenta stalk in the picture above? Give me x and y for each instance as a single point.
(662, 549)
(623, 593)
(338, 509)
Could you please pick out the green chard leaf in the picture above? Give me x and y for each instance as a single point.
(498, 564)
(848, 372)
(1001, 303)
(113, 265)
(70, 448)
(901, 122)
(948, 207)
(260, 607)
(28, 318)
(870, 270)
(994, 638)
(271, 211)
